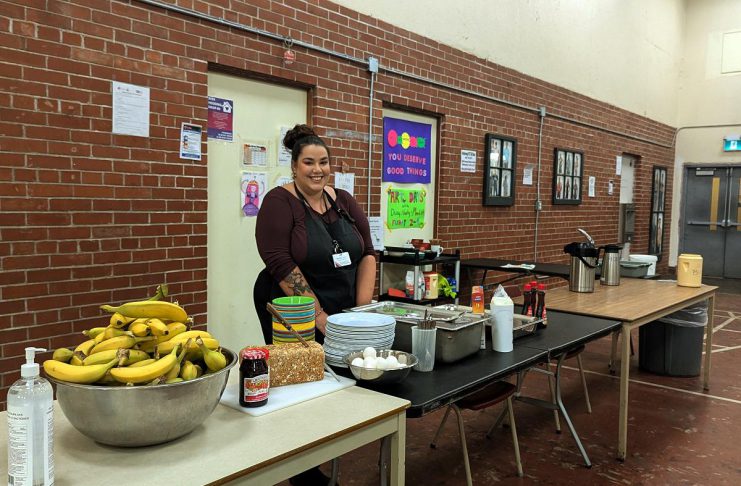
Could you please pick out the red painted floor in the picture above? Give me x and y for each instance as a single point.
(677, 433)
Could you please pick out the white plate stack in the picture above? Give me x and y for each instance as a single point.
(356, 331)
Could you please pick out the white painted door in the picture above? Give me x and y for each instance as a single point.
(260, 111)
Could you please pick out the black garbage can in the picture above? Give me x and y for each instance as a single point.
(672, 345)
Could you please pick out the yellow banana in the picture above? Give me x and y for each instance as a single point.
(142, 363)
(85, 347)
(125, 342)
(139, 329)
(167, 346)
(63, 355)
(77, 358)
(151, 309)
(99, 338)
(158, 327)
(175, 370)
(77, 374)
(161, 292)
(125, 356)
(144, 374)
(118, 320)
(177, 379)
(188, 371)
(199, 370)
(214, 360)
(92, 332)
(192, 334)
(111, 332)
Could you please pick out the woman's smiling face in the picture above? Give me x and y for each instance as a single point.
(312, 169)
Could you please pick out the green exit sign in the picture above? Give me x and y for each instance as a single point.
(731, 145)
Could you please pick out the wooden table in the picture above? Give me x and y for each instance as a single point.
(635, 302)
(235, 448)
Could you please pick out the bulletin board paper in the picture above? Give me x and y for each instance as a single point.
(252, 189)
(406, 208)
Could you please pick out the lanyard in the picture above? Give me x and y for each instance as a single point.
(336, 248)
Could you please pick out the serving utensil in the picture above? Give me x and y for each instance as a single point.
(274, 312)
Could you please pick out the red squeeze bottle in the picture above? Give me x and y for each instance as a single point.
(526, 307)
(540, 310)
(533, 298)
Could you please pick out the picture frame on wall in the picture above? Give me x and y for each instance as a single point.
(658, 198)
(568, 172)
(500, 158)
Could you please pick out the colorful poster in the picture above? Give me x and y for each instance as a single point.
(405, 208)
(252, 189)
(406, 151)
(190, 141)
(255, 154)
(220, 119)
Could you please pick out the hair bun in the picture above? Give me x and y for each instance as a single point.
(297, 132)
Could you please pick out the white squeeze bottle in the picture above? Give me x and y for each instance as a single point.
(30, 427)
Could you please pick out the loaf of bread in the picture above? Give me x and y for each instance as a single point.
(295, 363)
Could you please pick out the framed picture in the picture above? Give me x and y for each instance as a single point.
(658, 197)
(500, 156)
(568, 171)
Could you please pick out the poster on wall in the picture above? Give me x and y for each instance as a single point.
(255, 154)
(190, 141)
(130, 109)
(220, 118)
(405, 208)
(252, 189)
(406, 151)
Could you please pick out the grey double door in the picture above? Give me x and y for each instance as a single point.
(712, 211)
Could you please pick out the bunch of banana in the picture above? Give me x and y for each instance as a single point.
(144, 342)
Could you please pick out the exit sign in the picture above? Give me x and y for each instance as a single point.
(731, 145)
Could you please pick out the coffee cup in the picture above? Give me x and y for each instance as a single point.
(437, 249)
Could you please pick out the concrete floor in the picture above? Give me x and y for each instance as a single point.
(677, 434)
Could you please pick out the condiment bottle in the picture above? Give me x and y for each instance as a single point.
(254, 377)
(526, 308)
(31, 427)
(540, 311)
(477, 299)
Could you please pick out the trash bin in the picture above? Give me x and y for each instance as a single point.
(672, 345)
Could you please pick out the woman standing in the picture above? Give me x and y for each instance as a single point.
(314, 239)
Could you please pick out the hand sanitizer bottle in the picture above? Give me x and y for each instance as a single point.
(30, 427)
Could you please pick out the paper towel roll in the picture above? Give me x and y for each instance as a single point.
(502, 316)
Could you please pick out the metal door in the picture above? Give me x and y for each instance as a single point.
(711, 224)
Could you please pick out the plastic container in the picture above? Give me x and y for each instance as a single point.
(502, 321)
(431, 291)
(633, 269)
(31, 427)
(672, 345)
(477, 299)
(652, 259)
(689, 270)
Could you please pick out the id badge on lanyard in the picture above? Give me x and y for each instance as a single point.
(341, 258)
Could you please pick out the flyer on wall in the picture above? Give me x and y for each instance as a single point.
(190, 141)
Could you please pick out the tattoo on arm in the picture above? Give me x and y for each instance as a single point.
(297, 283)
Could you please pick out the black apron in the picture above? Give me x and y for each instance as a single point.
(334, 287)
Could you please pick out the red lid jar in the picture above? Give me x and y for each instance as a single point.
(254, 377)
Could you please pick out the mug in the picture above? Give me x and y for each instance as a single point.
(437, 249)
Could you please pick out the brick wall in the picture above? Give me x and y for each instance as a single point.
(88, 217)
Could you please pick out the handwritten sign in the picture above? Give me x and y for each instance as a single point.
(405, 208)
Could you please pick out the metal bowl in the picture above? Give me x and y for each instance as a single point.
(134, 416)
(381, 376)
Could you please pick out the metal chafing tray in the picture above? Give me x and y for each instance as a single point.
(522, 325)
(458, 332)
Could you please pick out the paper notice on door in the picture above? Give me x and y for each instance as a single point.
(376, 230)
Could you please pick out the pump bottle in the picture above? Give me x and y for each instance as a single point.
(30, 427)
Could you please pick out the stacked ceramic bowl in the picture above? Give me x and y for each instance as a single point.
(356, 331)
(299, 312)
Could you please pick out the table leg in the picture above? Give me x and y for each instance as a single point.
(565, 414)
(708, 343)
(624, 375)
(398, 452)
(613, 352)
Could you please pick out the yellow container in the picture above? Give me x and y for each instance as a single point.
(689, 270)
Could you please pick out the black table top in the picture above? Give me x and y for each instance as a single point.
(549, 269)
(449, 382)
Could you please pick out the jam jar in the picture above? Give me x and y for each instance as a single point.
(254, 377)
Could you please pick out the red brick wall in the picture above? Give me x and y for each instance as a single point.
(88, 217)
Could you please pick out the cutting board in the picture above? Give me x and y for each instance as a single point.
(283, 396)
